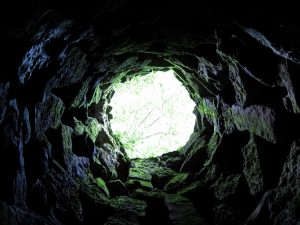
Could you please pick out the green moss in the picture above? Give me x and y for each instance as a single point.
(208, 109)
(92, 128)
(213, 142)
(140, 174)
(79, 127)
(142, 184)
(191, 188)
(96, 96)
(102, 185)
(212, 146)
(257, 119)
(226, 186)
(176, 182)
(129, 205)
(79, 100)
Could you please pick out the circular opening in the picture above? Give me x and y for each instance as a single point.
(152, 114)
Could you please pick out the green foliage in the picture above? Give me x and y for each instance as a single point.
(152, 114)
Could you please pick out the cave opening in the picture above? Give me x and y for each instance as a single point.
(63, 160)
(152, 114)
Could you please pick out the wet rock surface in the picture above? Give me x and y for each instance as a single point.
(60, 163)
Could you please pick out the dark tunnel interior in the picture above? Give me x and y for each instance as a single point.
(61, 163)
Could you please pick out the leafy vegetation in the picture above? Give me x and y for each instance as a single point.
(152, 114)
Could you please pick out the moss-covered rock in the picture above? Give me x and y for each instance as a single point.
(176, 182)
(92, 128)
(48, 114)
(252, 168)
(257, 119)
(182, 211)
(129, 205)
(59, 159)
(117, 188)
(226, 187)
(102, 186)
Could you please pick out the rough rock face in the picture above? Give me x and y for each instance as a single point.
(60, 164)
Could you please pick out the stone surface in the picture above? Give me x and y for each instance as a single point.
(175, 163)
(252, 169)
(224, 214)
(73, 66)
(140, 170)
(289, 100)
(281, 202)
(135, 184)
(10, 215)
(3, 99)
(117, 188)
(290, 174)
(256, 119)
(122, 218)
(108, 158)
(176, 182)
(235, 78)
(226, 186)
(129, 205)
(59, 160)
(181, 211)
(161, 176)
(102, 186)
(48, 115)
(194, 160)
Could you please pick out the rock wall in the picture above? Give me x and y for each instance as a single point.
(60, 163)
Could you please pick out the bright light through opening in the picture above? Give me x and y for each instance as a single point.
(152, 114)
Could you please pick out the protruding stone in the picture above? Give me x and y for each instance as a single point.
(102, 185)
(3, 99)
(226, 187)
(73, 67)
(257, 119)
(252, 167)
(290, 174)
(129, 205)
(48, 115)
(140, 171)
(236, 81)
(133, 184)
(123, 218)
(182, 211)
(194, 160)
(176, 182)
(108, 158)
(225, 214)
(11, 215)
(289, 100)
(161, 175)
(116, 188)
